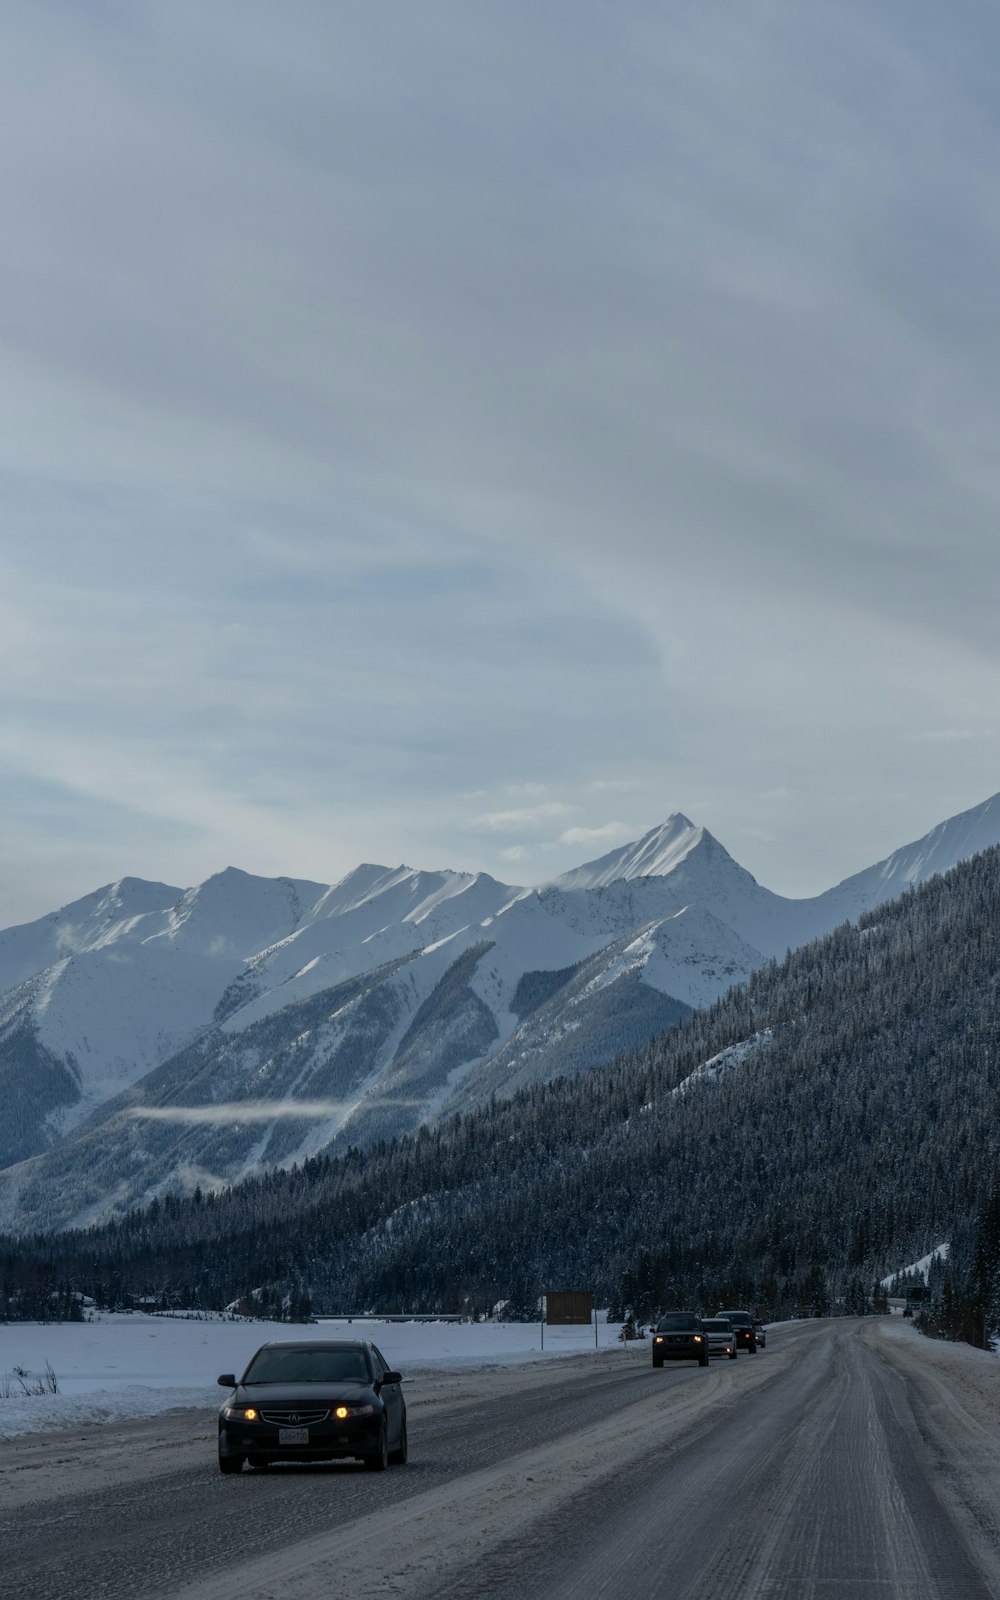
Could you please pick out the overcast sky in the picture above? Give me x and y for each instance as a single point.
(465, 434)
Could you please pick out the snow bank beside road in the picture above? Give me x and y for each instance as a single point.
(131, 1365)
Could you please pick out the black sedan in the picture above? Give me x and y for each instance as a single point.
(314, 1400)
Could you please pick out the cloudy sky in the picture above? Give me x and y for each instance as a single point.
(466, 433)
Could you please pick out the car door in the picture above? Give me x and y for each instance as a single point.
(392, 1396)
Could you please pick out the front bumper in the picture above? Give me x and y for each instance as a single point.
(328, 1441)
(663, 1350)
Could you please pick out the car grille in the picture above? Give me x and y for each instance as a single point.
(293, 1418)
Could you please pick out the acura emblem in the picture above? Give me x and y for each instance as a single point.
(293, 1416)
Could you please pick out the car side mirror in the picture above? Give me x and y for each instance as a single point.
(228, 1380)
(392, 1377)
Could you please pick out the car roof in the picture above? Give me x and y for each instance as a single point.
(316, 1344)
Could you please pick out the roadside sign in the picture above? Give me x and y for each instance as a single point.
(565, 1307)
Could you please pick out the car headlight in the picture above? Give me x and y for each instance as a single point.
(697, 1338)
(353, 1411)
(240, 1413)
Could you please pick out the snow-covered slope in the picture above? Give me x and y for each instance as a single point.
(98, 919)
(950, 842)
(152, 1037)
(656, 854)
(138, 971)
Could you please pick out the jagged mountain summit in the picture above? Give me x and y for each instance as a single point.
(153, 1037)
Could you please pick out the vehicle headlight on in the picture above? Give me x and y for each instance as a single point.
(240, 1413)
(697, 1338)
(353, 1411)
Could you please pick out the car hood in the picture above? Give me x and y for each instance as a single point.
(304, 1395)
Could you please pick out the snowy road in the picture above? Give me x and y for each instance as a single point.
(851, 1459)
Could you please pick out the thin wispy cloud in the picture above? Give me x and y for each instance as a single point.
(605, 833)
(237, 1112)
(519, 817)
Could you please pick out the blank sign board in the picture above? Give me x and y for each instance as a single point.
(564, 1306)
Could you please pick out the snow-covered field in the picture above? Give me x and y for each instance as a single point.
(132, 1365)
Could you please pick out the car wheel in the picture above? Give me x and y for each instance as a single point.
(732, 1353)
(657, 1361)
(380, 1460)
(753, 1347)
(703, 1359)
(230, 1463)
(399, 1455)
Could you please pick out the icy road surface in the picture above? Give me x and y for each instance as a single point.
(851, 1459)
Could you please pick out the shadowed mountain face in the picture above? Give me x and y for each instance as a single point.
(153, 1038)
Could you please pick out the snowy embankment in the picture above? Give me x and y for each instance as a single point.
(132, 1365)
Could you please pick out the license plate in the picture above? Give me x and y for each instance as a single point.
(293, 1435)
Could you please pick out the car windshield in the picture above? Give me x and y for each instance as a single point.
(718, 1325)
(741, 1319)
(680, 1324)
(308, 1364)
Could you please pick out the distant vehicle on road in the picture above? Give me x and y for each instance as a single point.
(679, 1337)
(721, 1336)
(314, 1400)
(761, 1334)
(746, 1329)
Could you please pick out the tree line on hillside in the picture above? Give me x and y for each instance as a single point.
(786, 1148)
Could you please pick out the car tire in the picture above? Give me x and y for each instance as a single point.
(753, 1347)
(230, 1463)
(732, 1354)
(657, 1361)
(379, 1460)
(703, 1359)
(401, 1452)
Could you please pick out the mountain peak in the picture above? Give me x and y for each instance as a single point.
(655, 855)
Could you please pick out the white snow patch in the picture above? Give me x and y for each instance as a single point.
(734, 1055)
(123, 1365)
(922, 1266)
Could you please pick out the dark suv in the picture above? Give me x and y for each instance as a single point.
(679, 1337)
(746, 1329)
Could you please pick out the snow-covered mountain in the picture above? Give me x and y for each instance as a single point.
(152, 1037)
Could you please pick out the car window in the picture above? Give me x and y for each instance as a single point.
(678, 1324)
(378, 1362)
(308, 1364)
(718, 1325)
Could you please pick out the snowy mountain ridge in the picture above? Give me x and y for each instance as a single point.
(362, 1008)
